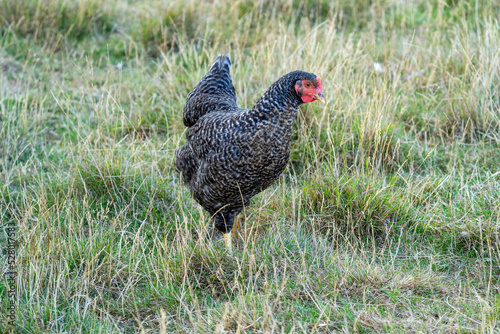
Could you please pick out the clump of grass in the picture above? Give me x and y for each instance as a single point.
(40, 20)
(355, 203)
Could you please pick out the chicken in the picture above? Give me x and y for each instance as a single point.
(232, 154)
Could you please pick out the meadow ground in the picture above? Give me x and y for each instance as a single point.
(387, 219)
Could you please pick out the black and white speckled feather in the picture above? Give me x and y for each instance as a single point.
(214, 92)
(232, 154)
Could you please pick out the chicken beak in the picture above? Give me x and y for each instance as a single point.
(319, 97)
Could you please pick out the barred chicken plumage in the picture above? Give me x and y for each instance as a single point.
(232, 154)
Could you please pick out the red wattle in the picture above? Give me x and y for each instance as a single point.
(306, 98)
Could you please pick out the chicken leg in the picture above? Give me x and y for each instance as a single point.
(224, 222)
(237, 226)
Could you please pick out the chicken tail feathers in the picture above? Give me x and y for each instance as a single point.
(214, 92)
(221, 63)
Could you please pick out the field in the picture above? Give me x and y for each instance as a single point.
(386, 220)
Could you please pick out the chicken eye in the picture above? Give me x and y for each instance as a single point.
(308, 85)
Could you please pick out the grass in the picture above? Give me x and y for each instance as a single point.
(387, 219)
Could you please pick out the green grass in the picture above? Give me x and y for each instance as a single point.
(387, 219)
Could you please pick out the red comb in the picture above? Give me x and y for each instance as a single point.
(318, 79)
